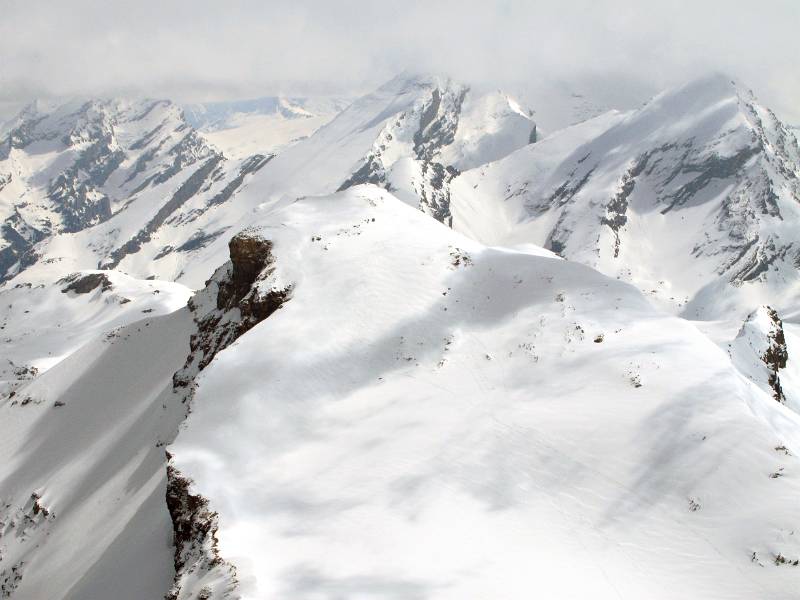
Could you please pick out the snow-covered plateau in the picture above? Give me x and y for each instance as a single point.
(400, 347)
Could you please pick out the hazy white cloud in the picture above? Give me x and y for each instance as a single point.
(204, 49)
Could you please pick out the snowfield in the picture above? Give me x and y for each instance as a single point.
(463, 416)
(421, 353)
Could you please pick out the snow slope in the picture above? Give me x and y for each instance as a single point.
(430, 434)
(45, 321)
(82, 482)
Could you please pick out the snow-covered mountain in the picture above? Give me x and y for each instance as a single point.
(125, 166)
(357, 367)
(694, 198)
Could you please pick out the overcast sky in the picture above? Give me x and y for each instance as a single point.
(204, 49)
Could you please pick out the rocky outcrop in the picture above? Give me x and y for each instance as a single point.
(83, 284)
(760, 350)
(241, 294)
(20, 526)
(438, 123)
(200, 570)
(776, 354)
(232, 302)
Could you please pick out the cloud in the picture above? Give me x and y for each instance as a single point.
(203, 49)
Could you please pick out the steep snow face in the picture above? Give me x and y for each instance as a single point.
(85, 383)
(429, 433)
(83, 479)
(263, 125)
(692, 198)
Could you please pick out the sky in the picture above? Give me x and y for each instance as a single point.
(617, 51)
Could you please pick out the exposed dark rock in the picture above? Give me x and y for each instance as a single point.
(10, 579)
(150, 109)
(460, 258)
(141, 164)
(230, 305)
(435, 191)
(370, 172)
(776, 354)
(25, 372)
(762, 256)
(21, 136)
(617, 208)
(76, 192)
(83, 284)
(147, 138)
(567, 190)
(189, 150)
(194, 527)
(713, 167)
(80, 205)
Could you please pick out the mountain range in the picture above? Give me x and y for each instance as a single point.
(405, 345)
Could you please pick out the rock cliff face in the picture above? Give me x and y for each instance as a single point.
(200, 571)
(236, 299)
(776, 354)
(232, 302)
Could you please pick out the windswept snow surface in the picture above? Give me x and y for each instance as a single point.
(466, 421)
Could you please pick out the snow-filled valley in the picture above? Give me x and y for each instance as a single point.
(400, 347)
